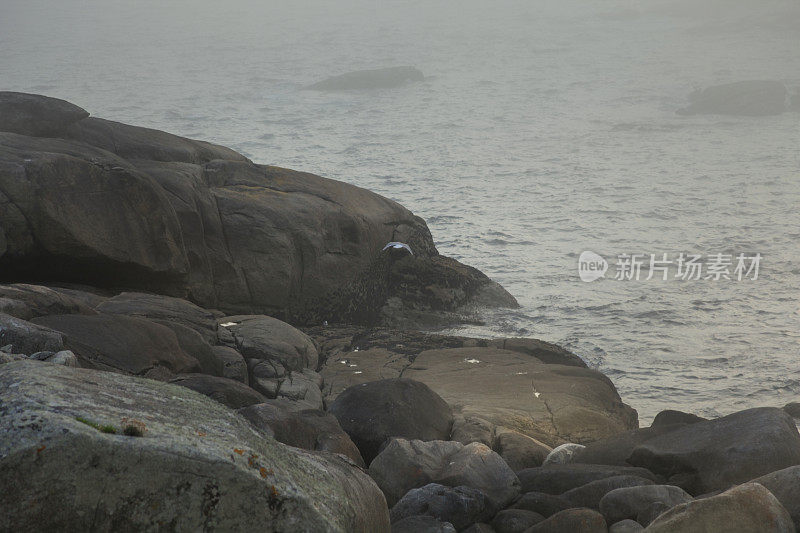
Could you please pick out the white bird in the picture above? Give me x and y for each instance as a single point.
(397, 246)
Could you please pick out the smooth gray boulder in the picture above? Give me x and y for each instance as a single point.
(572, 521)
(233, 363)
(31, 114)
(460, 506)
(519, 451)
(542, 503)
(785, 486)
(616, 449)
(715, 454)
(198, 466)
(748, 508)
(515, 520)
(226, 391)
(422, 524)
(628, 502)
(592, 493)
(27, 301)
(669, 417)
(266, 338)
(382, 78)
(626, 526)
(751, 97)
(557, 479)
(27, 338)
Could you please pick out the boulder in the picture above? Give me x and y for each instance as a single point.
(515, 520)
(302, 387)
(541, 503)
(269, 339)
(309, 429)
(564, 453)
(233, 363)
(460, 506)
(476, 465)
(669, 417)
(195, 346)
(198, 466)
(124, 344)
(546, 352)
(372, 412)
(550, 403)
(479, 527)
(163, 308)
(26, 338)
(382, 78)
(626, 526)
(519, 451)
(628, 502)
(223, 390)
(746, 508)
(590, 494)
(752, 97)
(793, 408)
(467, 429)
(557, 479)
(785, 486)
(30, 114)
(616, 449)
(30, 301)
(422, 524)
(716, 454)
(572, 521)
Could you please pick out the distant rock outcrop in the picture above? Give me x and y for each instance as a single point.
(753, 98)
(382, 78)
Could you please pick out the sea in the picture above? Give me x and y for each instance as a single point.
(543, 129)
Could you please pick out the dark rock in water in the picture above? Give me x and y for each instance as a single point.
(515, 520)
(303, 428)
(28, 338)
(382, 78)
(572, 521)
(718, 453)
(422, 524)
(785, 486)
(121, 343)
(30, 301)
(748, 508)
(669, 417)
(460, 506)
(557, 479)
(589, 495)
(616, 449)
(372, 412)
(542, 503)
(629, 502)
(198, 467)
(193, 220)
(226, 391)
(754, 98)
(30, 114)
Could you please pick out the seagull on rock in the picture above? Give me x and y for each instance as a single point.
(398, 246)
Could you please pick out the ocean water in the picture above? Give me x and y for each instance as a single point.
(542, 129)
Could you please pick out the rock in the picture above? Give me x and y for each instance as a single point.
(572, 521)
(573, 404)
(226, 391)
(651, 512)
(590, 494)
(753, 98)
(716, 454)
(669, 417)
(372, 412)
(479, 527)
(64, 357)
(233, 363)
(519, 451)
(460, 506)
(382, 78)
(422, 524)
(626, 526)
(122, 344)
(30, 301)
(541, 503)
(302, 387)
(195, 346)
(627, 503)
(163, 308)
(515, 520)
(785, 486)
(303, 428)
(557, 479)
(545, 352)
(744, 509)
(269, 339)
(467, 429)
(793, 408)
(563, 453)
(616, 449)
(32, 114)
(26, 337)
(198, 467)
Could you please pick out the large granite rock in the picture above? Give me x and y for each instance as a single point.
(460, 506)
(590, 494)
(748, 508)
(121, 343)
(198, 466)
(382, 78)
(752, 97)
(558, 479)
(114, 205)
(629, 502)
(28, 338)
(30, 301)
(372, 412)
(713, 455)
(229, 392)
(785, 486)
(572, 521)
(268, 339)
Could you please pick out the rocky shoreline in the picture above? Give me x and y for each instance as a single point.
(191, 341)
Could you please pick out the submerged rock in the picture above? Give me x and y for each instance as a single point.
(755, 98)
(197, 465)
(382, 78)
